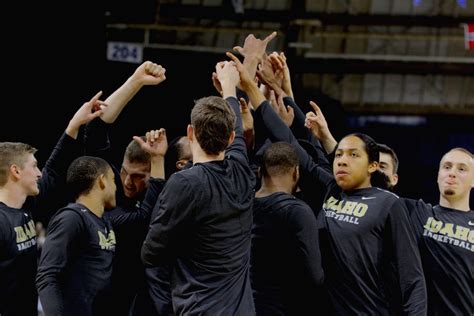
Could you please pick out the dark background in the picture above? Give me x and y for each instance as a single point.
(57, 61)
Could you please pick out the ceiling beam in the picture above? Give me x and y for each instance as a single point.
(173, 11)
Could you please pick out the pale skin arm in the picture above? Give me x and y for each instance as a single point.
(147, 73)
(279, 63)
(286, 113)
(268, 75)
(228, 77)
(247, 83)
(247, 123)
(318, 125)
(254, 51)
(86, 113)
(156, 145)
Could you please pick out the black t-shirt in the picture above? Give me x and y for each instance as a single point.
(366, 234)
(286, 269)
(75, 269)
(17, 262)
(18, 250)
(204, 227)
(446, 241)
(76, 262)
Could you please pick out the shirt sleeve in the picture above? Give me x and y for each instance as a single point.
(175, 207)
(305, 229)
(238, 148)
(407, 261)
(143, 213)
(61, 243)
(278, 131)
(53, 178)
(97, 140)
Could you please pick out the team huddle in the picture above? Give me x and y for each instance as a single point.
(256, 210)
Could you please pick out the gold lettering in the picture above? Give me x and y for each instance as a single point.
(30, 229)
(111, 238)
(102, 240)
(461, 232)
(471, 237)
(436, 226)
(349, 207)
(360, 209)
(428, 223)
(20, 234)
(329, 202)
(338, 207)
(447, 230)
(106, 242)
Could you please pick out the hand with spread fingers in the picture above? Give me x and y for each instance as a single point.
(286, 113)
(86, 113)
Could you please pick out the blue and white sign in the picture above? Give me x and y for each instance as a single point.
(125, 52)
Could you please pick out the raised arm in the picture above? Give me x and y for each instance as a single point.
(254, 51)
(277, 129)
(65, 151)
(147, 73)
(318, 125)
(247, 124)
(96, 137)
(156, 145)
(228, 77)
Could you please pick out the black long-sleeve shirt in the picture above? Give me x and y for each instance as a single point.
(446, 242)
(128, 274)
(203, 227)
(75, 268)
(286, 270)
(18, 250)
(366, 232)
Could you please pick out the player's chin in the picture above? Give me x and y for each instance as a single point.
(110, 204)
(34, 192)
(343, 183)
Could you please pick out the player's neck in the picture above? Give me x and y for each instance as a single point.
(13, 197)
(200, 156)
(460, 204)
(270, 186)
(92, 203)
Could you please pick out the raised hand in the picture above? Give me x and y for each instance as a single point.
(247, 123)
(228, 76)
(216, 83)
(247, 118)
(286, 113)
(267, 74)
(254, 47)
(318, 125)
(316, 122)
(247, 82)
(156, 143)
(149, 73)
(86, 113)
(282, 71)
